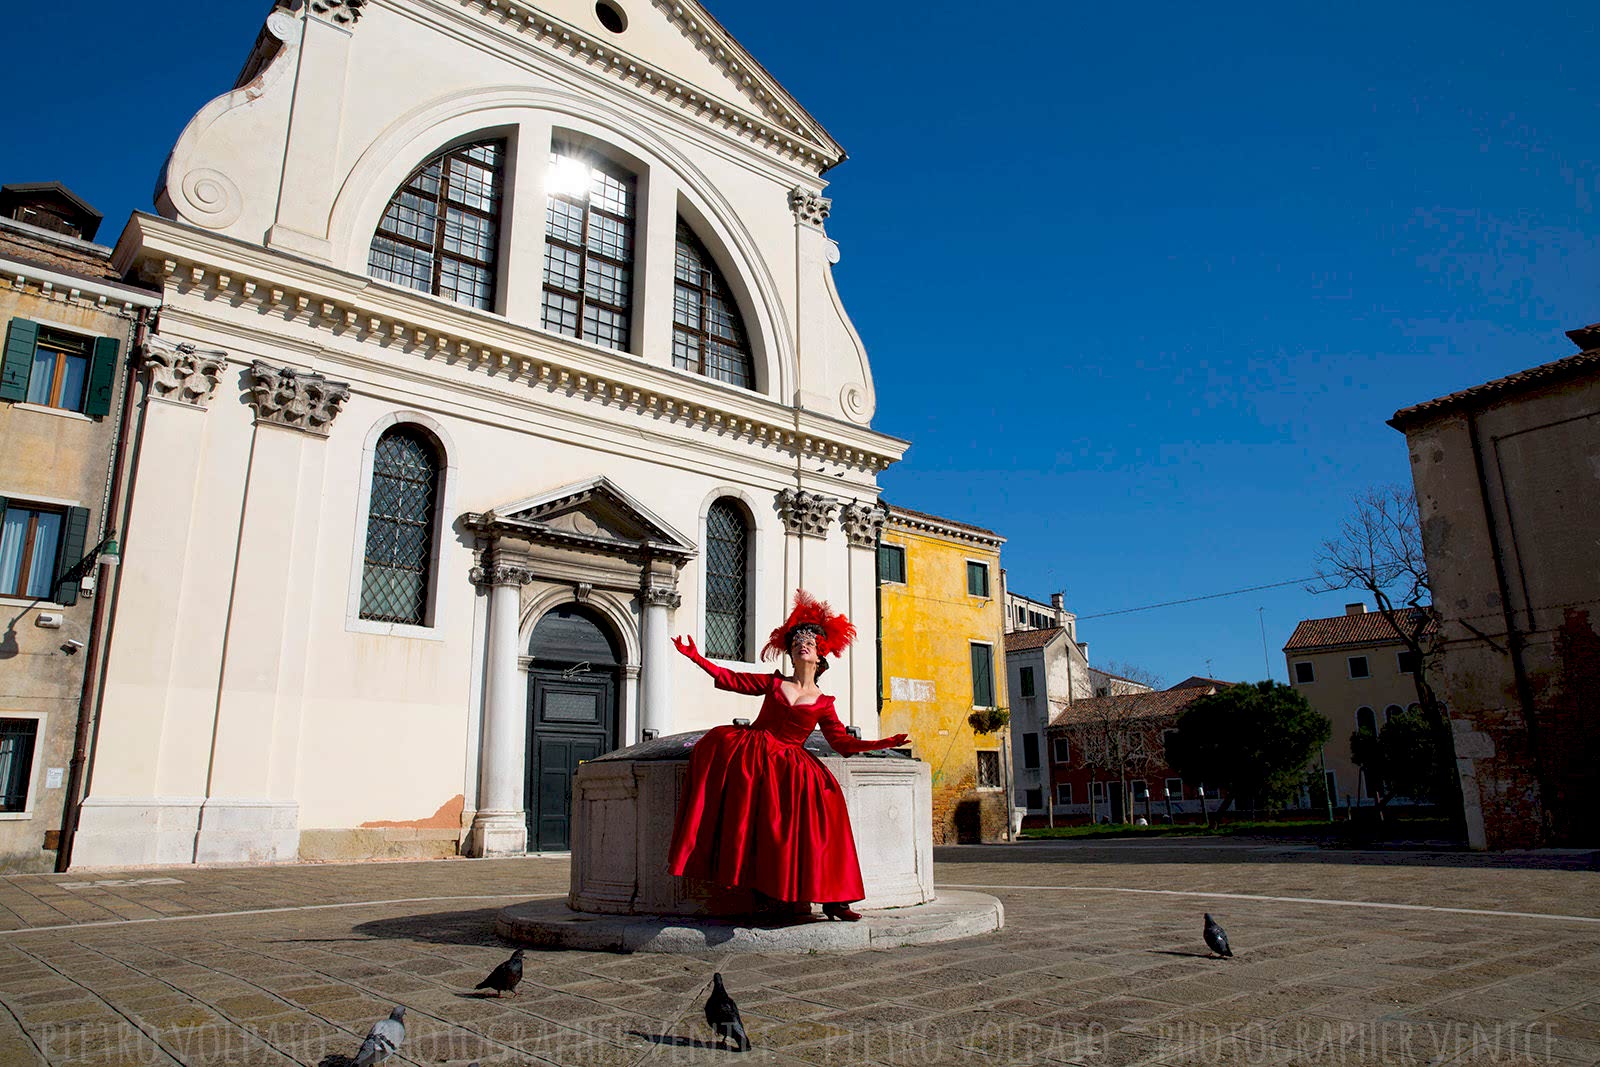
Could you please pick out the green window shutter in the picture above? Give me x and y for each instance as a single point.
(982, 677)
(21, 338)
(102, 377)
(71, 554)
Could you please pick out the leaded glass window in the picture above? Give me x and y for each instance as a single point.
(727, 593)
(588, 250)
(708, 336)
(400, 527)
(441, 232)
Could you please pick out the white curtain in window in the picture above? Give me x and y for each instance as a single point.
(42, 568)
(16, 528)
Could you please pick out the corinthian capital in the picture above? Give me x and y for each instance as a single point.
(806, 513)
(862, 522)
(808, 207)
(500, 574)
(298, 399)
(661, 596)
(181, 373)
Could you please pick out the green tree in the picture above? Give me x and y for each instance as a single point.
(1404, 760)
(1251, 741)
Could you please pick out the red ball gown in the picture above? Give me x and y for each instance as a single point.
(759, 811)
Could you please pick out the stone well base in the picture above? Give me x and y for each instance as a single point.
(551, 924)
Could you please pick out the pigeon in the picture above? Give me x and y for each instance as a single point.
(722, 1015)
(382, 1040)
(1217, 938)
(504, 978)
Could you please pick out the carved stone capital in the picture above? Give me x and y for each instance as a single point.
(183, 374)
(806, 513)
(862, 523)
(344, 12)
(500, 574)
(298, 399)
(661, 596)
(808, 207)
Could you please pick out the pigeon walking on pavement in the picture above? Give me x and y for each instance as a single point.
(1217, 938)
(722, 1015)
(382, 1040)
(504, 978)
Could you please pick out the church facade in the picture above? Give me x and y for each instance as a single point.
(498, 344)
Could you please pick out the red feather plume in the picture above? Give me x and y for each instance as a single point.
(837, 630)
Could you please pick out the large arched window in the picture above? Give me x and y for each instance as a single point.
(727, 580)
(441, 232)
(398, 562)
(588, 250)
(1366, 721)
(708, 334)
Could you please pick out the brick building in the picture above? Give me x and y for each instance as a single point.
(1508, 489)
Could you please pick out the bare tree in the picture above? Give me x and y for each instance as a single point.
(1379, 551)
(1131, 672)
(1109, 737)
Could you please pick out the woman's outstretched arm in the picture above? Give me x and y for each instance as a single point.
(841, 741)
(732, 681)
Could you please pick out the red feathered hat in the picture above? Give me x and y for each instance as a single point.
(834, 631)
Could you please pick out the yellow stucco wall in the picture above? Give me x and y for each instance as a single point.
(929, 625)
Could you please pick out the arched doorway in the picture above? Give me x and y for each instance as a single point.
(572, 715)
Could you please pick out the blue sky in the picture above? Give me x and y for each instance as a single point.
(1140, 283)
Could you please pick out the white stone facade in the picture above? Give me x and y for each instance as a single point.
(247, 703)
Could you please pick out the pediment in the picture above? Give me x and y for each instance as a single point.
(677, 50)
(594, 512)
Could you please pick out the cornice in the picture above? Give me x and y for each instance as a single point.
(781, 126)
(409, 327)
(905, 522)
(47, 284)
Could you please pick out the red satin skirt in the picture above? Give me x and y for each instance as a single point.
(764, 814)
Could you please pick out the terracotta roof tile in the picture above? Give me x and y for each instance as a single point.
(1195, 680)
(52, 256)
(1368, 628)
(1583, 364)
(1023, 640)
(1160, 704)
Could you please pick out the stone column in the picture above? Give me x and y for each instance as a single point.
(656, 636)
(500, 826)
(862, 522)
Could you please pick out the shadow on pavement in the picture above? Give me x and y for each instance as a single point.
(1242, 850)
(475, 927)
(674, 1040)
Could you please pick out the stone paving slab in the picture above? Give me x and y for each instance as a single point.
(1343, 958)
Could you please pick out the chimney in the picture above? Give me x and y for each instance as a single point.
(1058, 604)
(1585, 337)
(1355, 609)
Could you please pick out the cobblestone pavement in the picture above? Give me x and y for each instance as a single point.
(1344, 957)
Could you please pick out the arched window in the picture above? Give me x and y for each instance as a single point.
(707, 333)
(398, 562)
(1366, 720)
(727, 585)
(1391, 711)
(588, 249)
(441, 232)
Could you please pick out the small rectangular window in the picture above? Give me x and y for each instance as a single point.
(891, 564)
(1175, 788)
(60, 370)
(1097, 792)
(1304, 673)
(1025, 681)
(977, 579)
(1406, 662)
(1035, 798)
(1064, 793)
(1063, 751)
(30, 541)
(1030, 753)
(1358, 667)
(1140, 790)
(988, 769)
(982, 676)
(17, 737)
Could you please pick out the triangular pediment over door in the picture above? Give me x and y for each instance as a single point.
(594, 514)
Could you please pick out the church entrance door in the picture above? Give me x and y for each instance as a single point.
(572, 716)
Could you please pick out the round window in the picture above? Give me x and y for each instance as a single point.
(611, 16)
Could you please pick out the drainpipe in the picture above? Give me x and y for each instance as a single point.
(105, 590)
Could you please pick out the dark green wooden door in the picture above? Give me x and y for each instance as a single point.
(571, 718)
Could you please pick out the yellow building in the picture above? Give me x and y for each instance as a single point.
(943, 657)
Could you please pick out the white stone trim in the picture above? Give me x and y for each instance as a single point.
(761, 520)
(443, 520)
(46, 409)
(107, 296)
(611, 606)
(35, 784)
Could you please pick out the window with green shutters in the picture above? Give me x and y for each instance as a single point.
(1025, 680)
(892, 564)
(58, 369)
(977, 579)
(982, 676)
(41, 549)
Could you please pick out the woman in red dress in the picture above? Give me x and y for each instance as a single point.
(759, 812)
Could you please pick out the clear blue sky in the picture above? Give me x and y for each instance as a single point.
(1140, 283)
